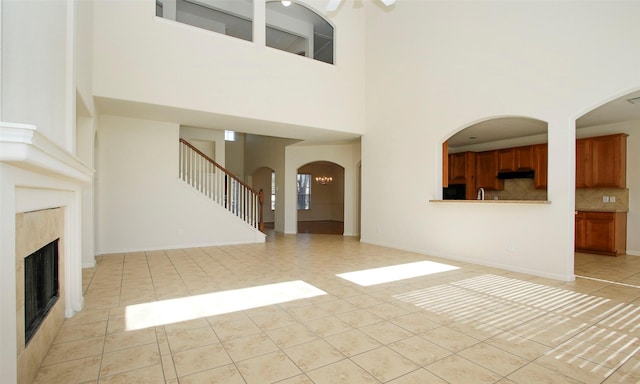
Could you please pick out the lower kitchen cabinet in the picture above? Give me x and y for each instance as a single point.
(601, 232)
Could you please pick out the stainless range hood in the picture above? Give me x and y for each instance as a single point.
(523, 173)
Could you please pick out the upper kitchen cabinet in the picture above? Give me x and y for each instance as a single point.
(540, 155)
(462, 170)
(513, 159)
(601, 162)
(487, 170)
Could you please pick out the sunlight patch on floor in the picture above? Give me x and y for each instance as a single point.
(391, 273)
(145, 315)
(608, 281)
(582, 328)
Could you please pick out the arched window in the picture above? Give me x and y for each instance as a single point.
(294, 28)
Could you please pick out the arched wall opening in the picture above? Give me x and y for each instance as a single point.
(608, 179)
(500, 158)
(320, 198)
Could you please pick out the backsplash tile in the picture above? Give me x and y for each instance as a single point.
(517, 189)
(591, 198)
(587, 199)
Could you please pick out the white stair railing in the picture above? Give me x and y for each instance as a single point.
(214, 181)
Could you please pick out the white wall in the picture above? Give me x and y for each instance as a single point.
(143, 205)
(203, 134)
(448, 65)
(346, 156)
(37, 57)
(141, 58)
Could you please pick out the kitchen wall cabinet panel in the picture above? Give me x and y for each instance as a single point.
(609, 159)
(540, 156)
(601, 162)
(462, 170)
(457, 168)
(507, 160)
(524, 157)
(583, 163)
(601, 232)
(487, 171)
(513, 159)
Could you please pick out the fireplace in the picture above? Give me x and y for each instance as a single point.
(41, 288)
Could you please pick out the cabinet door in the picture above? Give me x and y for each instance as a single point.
(524, 157)
(580, 231)
(583, 163)
(600, 232)
(457, 168)
(507, 160)
(487, 170)
(608, 158)
(540, 166)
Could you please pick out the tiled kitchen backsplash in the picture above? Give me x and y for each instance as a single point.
(518, 189)
(591, 198)
(586, 198)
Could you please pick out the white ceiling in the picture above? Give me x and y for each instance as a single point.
(615, 111)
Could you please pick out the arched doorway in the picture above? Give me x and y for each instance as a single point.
(607, 185)
(320, 198)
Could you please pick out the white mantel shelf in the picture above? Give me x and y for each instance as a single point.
(22, 146)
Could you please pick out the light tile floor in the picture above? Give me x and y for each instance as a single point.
(279, 313)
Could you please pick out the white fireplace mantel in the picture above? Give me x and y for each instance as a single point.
(22, 146)
(36, 173)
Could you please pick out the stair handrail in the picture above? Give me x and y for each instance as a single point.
(259, 195)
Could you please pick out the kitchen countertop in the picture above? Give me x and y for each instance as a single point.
(493, 201)
(601, 210)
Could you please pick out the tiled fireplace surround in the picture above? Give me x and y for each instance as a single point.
(33, 231)
(40, 200)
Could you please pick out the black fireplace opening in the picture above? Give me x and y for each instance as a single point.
(41, 288)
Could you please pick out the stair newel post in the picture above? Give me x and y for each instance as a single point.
(260, 214)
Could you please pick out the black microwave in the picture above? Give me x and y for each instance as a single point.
(454, 192)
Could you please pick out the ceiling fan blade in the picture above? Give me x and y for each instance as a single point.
(388, 2)
(333, 5)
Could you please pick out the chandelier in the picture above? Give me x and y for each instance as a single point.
(324, 180)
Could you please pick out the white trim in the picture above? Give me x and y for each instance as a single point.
(22, 146)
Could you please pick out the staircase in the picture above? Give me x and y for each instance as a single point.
(214, 181)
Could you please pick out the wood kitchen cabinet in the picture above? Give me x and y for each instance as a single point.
(487, 171)
(601, 232)
(507, 160)
(462, 170)
(524, 157)
(540, 155)
(583, 173)
(601, 162)
(513, 159)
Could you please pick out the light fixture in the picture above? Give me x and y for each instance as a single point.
(286, 3)
(324, 180)
(634, 100)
